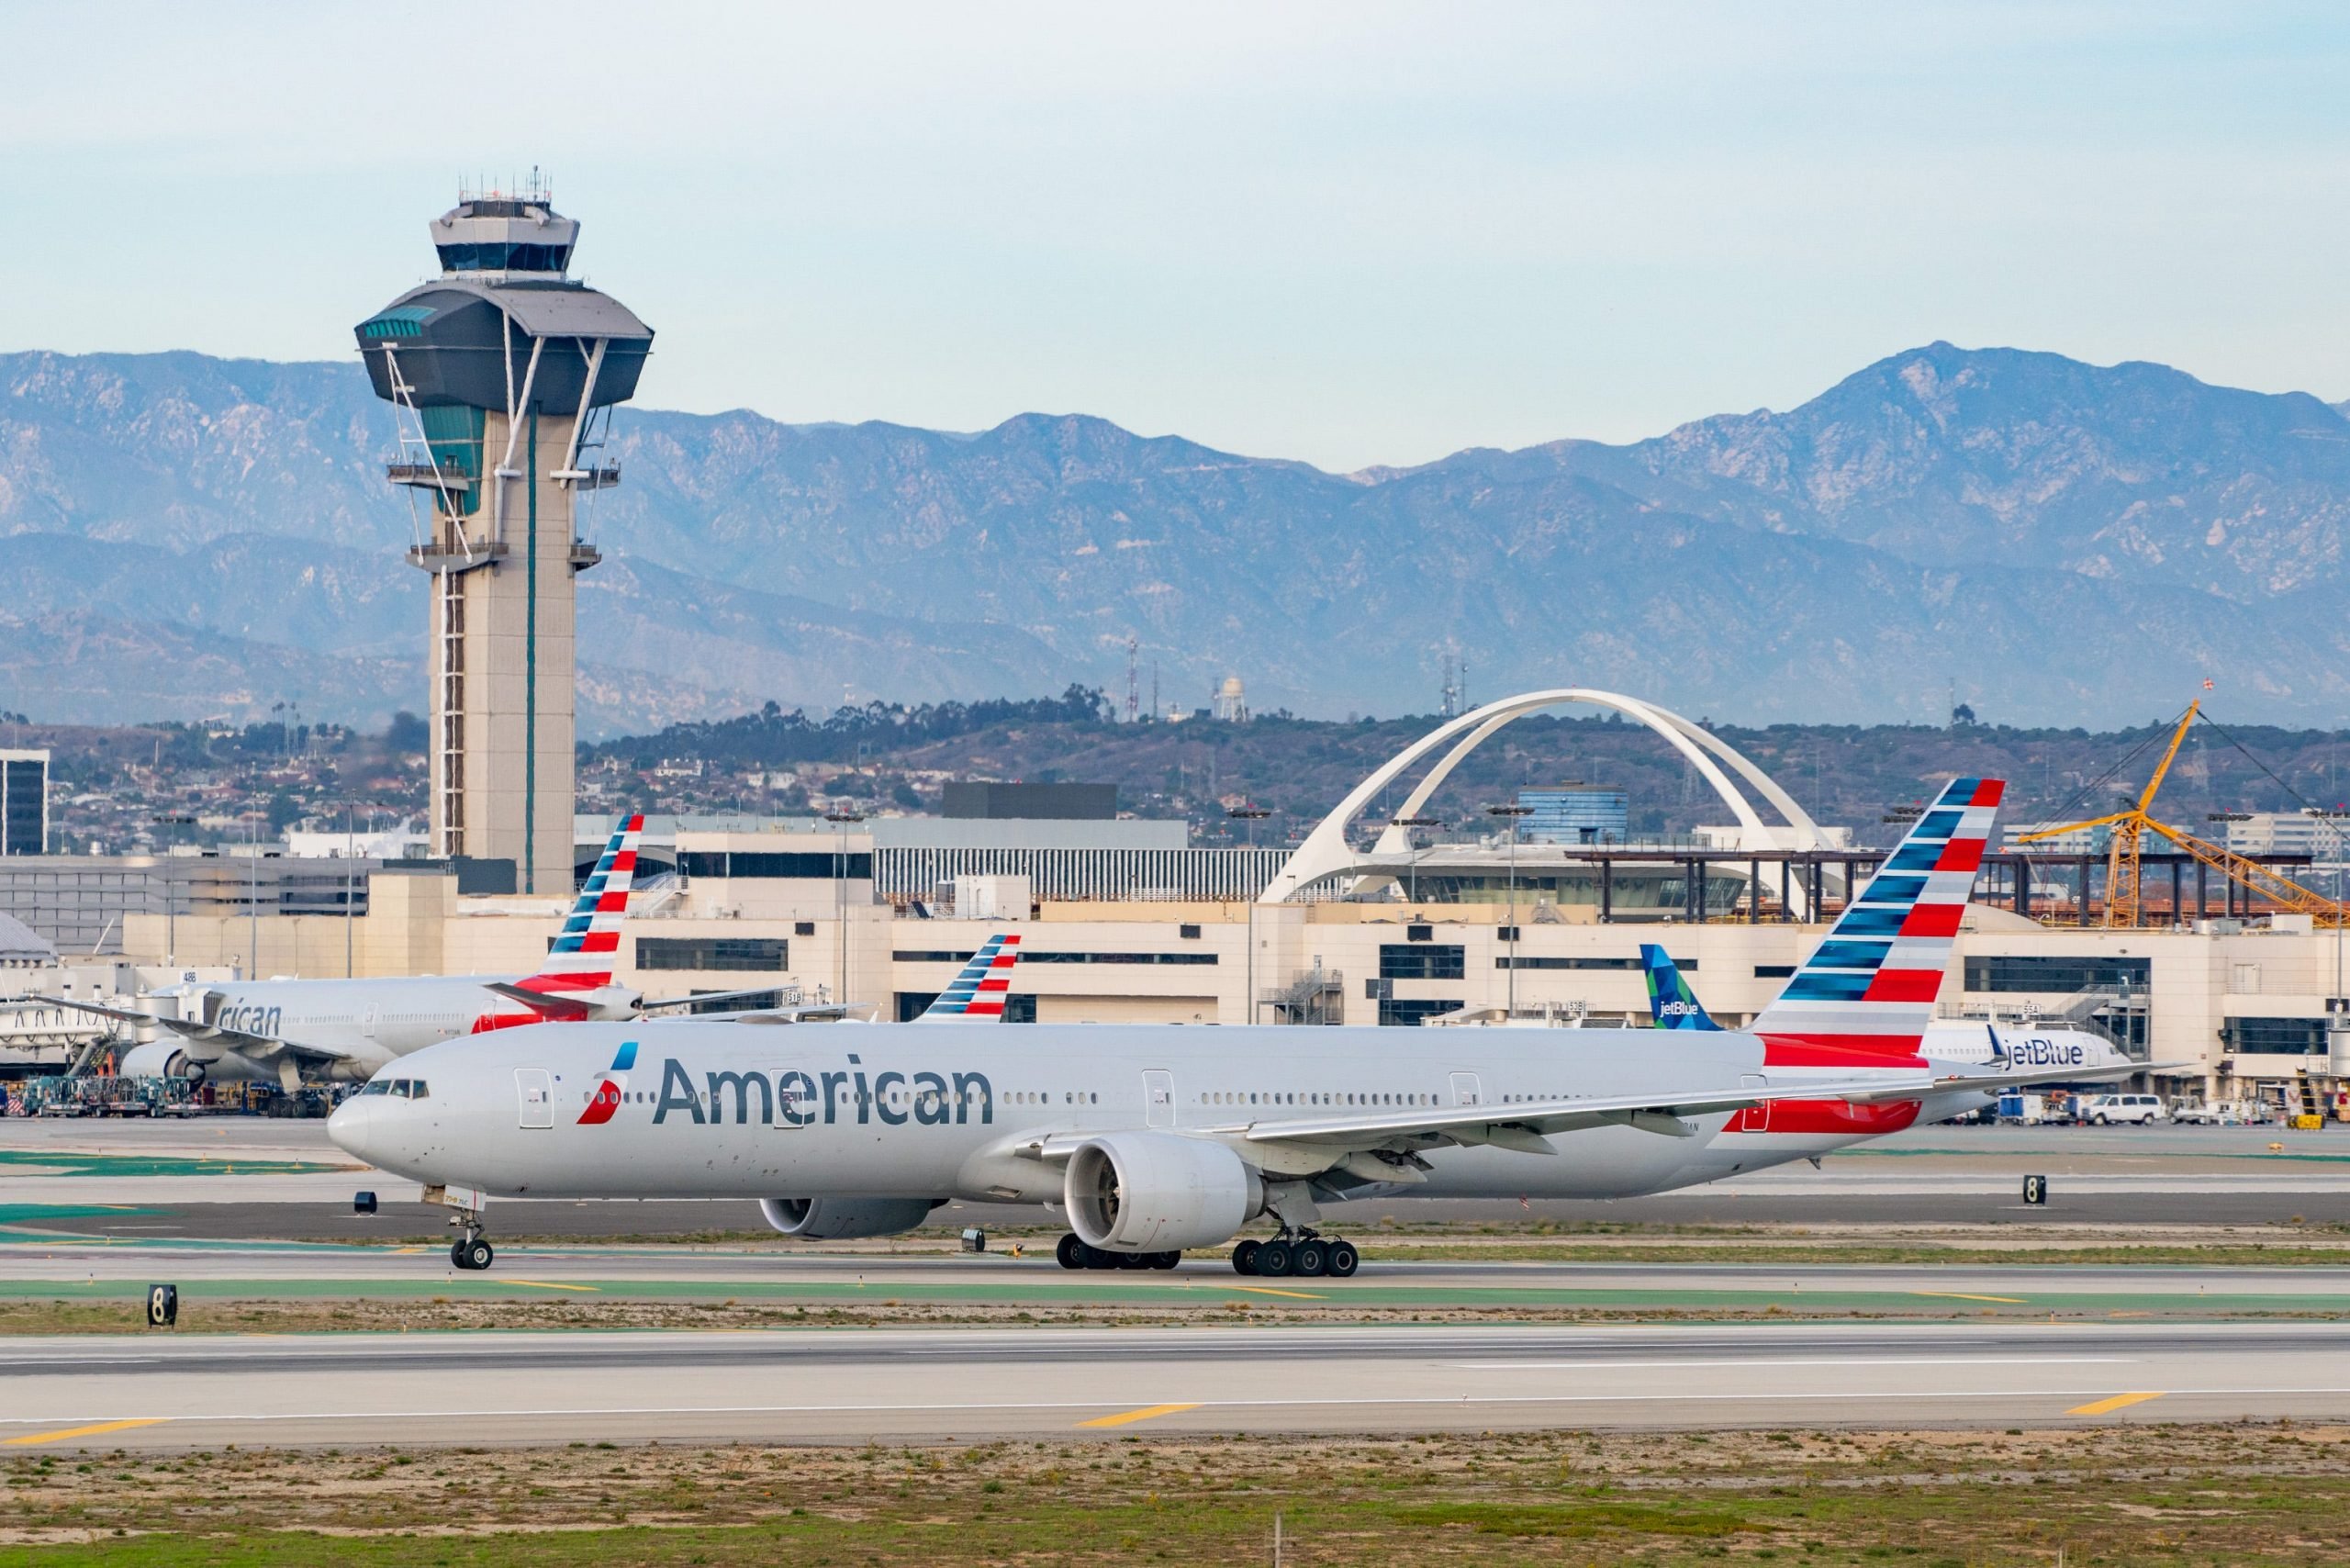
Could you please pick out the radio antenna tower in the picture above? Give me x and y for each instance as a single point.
(1134, 684)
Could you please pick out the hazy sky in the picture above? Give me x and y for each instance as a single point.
(1353, 233)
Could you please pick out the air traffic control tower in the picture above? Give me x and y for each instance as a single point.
(503, 374)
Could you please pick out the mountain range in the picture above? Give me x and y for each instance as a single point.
(2054, 541)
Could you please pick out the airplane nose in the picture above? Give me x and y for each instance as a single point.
(350, 1125)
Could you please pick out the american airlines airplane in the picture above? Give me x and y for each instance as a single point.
(1153, 1138)
(1973, 1061)
(290, 1029)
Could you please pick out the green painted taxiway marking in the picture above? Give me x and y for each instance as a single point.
(69, 1162)
(1336, 1298)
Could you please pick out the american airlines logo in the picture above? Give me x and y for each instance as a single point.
(798, 1099)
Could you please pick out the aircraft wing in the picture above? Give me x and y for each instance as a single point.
(118, 1013)
(1525, 1123)
(1522, 1125)
(1991, 1081)
(260, 1046)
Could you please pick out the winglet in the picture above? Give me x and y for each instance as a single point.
(979, 991)
(1672, 1004)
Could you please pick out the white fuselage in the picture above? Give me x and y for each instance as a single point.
(700, 1110)
(365, 1022)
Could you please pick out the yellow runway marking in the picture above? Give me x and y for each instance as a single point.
(2107, 1406)
(1148, 1413)
(1267, 1290)
(1962, 1295)
(551, 1285)
(85, 1431)
(406, 1251)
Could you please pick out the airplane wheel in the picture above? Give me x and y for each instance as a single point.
(457, 1255)
(1273, 1259)
(1344, 1259)
(1070, 1251)
(1243, 1256)
(1165, 1260)
(1308, 1258)
(1133, 1261)
(477, 1253)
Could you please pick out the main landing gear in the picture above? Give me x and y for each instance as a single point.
(1300, 1252)
(1074, 1253)
(471, 1251)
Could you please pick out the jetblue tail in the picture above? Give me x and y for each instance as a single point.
(979, 991)
(1672, 1004)
(1870, 987)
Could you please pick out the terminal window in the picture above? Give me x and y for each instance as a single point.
(814, 865)
(2273, 1037)
(1412, 1014)
(2007, 972)
(1437, 960)
(1527, 961)
(712, 953)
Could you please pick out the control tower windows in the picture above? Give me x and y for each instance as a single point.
(499, 257)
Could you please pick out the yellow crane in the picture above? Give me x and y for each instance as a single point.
(2130, 829)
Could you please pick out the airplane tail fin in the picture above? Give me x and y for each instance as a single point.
(1672, 1004)
(582, 957)
(1870, 987)
(979, 991)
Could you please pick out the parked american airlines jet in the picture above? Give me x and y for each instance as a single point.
(289, 1029)
(1153, 1138)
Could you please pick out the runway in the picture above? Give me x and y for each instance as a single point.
(818, 1386)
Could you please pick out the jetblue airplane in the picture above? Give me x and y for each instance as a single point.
(1153, 1140)
(290, 1029)
(1972, 1061)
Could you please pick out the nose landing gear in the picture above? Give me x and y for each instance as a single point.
(1296, 1253)
(471, 1251)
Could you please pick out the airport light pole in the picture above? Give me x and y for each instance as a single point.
(170, 908)
(1252, 815)
(1510, 813)
(1408, 824)
(840, 819)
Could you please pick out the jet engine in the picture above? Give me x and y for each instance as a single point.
(845, 1219)
(161, 1059)
(1153, 1191)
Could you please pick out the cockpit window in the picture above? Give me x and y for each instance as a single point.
(378, 1086)
(416, 1089)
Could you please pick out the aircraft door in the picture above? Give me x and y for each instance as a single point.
(1754, 1118)
(1466, 1090)
(1158, 1097)
(537, 1095)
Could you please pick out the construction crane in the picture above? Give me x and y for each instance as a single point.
(2122, 904)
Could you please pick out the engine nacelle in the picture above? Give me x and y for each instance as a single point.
(159, 1059)
(845, 1219)
(1153, 1191)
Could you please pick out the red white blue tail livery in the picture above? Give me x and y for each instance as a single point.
(576, 980)
(979, 989)
(1868, 991)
